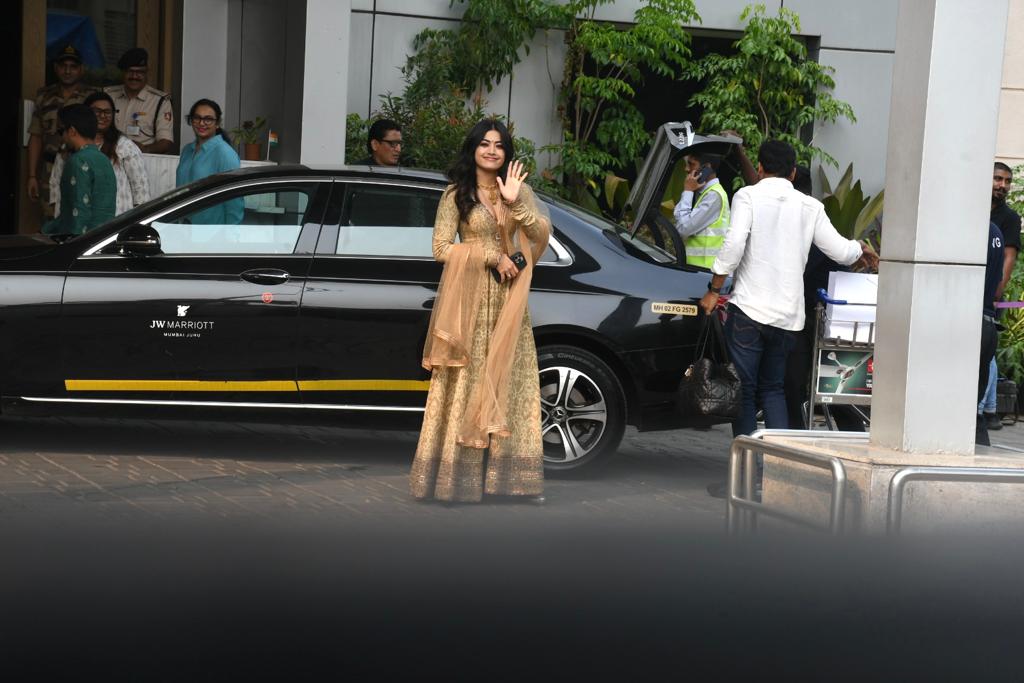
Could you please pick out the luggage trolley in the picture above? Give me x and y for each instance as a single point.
(842, 361)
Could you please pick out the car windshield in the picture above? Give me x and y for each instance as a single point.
(646, 247)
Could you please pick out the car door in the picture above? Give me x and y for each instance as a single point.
(369, 296)
(210, 319)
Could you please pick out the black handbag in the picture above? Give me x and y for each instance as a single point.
(710, 388)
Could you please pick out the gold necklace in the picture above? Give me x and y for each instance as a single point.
(492, 192)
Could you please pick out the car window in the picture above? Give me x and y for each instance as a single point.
(643, 242)
(549, 256)
(388, 220)
(256, 220)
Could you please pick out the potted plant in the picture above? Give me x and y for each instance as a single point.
(249, 135)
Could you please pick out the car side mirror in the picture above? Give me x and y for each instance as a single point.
(138, 240)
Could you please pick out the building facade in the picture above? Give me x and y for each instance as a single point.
(305, 64)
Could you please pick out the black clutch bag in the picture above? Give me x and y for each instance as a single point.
(517, 258)
(710, 388)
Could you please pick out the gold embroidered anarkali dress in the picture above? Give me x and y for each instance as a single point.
(481, 428)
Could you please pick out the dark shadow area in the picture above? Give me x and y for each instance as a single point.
(665, 99)
(13, 146)
(650, 603)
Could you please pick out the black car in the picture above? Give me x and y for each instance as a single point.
(317, 303)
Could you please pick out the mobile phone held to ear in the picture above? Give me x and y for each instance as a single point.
(517, 258)
(704, 174)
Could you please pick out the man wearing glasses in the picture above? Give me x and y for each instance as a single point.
(144, 114)
(384, 144)
(45, 142)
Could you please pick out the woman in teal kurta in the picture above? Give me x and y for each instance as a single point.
(210, 153)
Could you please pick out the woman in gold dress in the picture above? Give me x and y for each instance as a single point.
(481, 428)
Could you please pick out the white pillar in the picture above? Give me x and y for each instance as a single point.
(204, 57)
(325, 85)
(942, 131)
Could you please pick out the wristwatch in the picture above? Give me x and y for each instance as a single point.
(716, 290)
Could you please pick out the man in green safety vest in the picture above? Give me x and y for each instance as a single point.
(702, 221)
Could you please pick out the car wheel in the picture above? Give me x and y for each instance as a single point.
(583, 409)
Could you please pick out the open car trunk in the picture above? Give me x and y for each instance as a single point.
(672, 142)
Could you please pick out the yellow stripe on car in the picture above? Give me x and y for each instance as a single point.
(176, 385)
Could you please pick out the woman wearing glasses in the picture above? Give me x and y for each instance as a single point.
(125, 156)
(210, 153)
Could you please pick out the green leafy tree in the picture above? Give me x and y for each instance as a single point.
(603, 130)
(491, 39)
(450, 71)
(447, 74)
(768, 88)
(357, 130)
(1015, 197)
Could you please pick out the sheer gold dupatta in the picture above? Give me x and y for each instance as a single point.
(450, 333)
(525, 227)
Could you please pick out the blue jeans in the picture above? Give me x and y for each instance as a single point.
(759, 353)
(988, 404)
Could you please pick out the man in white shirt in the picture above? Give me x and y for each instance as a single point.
(702, 214)
(765, 249)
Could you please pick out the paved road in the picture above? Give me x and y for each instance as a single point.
(123, 469)
(52, 468)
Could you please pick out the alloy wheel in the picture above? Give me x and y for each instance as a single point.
(573, 414)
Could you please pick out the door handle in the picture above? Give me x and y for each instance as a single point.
(266, 276)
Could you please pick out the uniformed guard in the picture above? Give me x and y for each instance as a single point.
(144, 114)
(702, 214)
(45, 142)
(88, 188)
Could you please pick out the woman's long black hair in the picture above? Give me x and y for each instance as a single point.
(112, 135)
(216, 110)
(463, 171)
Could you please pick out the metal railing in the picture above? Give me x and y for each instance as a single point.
(742, 510)
(989, 475)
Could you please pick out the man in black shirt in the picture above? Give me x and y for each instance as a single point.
(1008, 223)
(1006, 219)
